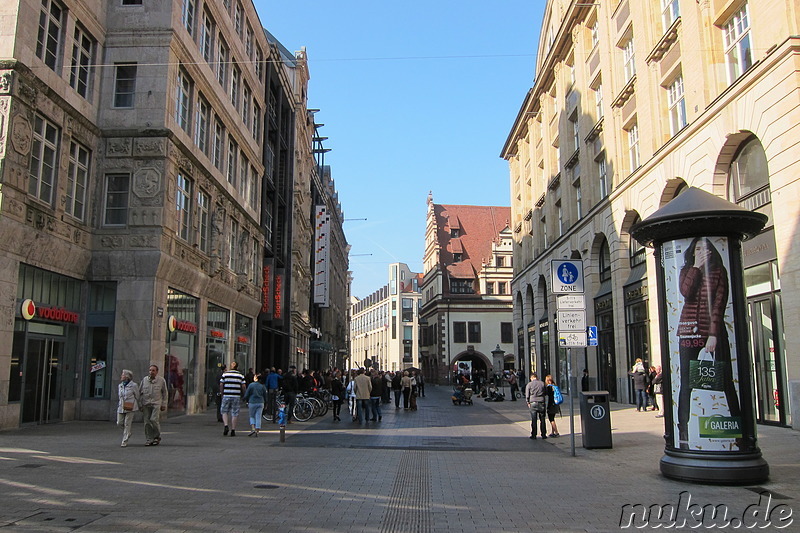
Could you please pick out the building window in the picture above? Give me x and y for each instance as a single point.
(83, 47)
(237, 19)
(455, 232)
(459, 332)
(253, 187)
(247, 99)
(259, 62)
(499, 261)
(256, 259)
(233, 160)
(248, 41)
(736, 37)
(256, 122)
(506, 332)
(219, 144)
(638, 252)
(131, 2)
(203, 202)
(578, 198)
(207, 31)
(501, 287)
(202, 117)
(543, 225)
(77, 178)
(598, 101)
(595, 34)
(244, 177)
(457, 257)
(560, 218)
(604, 262)
(44, 160)
(408, 310)
(677, 105)
(748, 177)
(48, 43)
(489, 287)
(234, 248)
(187, 16)
(124, 84)
(183, 205)
(236, 80)
(461, 286)
(628, 59)
(670, 11)
(602, 173)
(633, 146)
(183, 93)
(474, 332)
(222, 64)
(116, 204)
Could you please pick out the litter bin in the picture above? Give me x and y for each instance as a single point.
(595, 419)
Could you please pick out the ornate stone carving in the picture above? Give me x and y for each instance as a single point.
(112, 241)
(4, 105)
(146, 182)
(145, 217)
(26, 92)
(217, 238)
(21, 134)
(5, 82)
(149, 147)
(120, 147)
(142, 241)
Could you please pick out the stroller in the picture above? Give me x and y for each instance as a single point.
(462, 396)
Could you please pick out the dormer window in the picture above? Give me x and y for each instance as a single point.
(458, 257)
(455, 232)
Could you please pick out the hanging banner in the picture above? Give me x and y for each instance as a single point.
(705, 400)
(322, 257)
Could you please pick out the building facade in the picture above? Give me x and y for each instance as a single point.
(466, 309)
(384, 326)
(632, 103)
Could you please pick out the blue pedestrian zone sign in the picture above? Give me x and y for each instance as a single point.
(567, 276)
(591, 332)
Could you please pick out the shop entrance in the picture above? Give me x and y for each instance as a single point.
(41, 401)
(767, 345)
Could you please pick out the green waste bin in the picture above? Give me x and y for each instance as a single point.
(595, 419)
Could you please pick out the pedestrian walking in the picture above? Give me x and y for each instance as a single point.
(154, 396)
(421, 385)
(405, 385)
(639, 384)
(272, 382)
(351, 395)
(651, 393)
(337, 395)
(128, 394)
(397, 388)
(512, 382)
(362, 388)
(222, 369)
(375, 396)
(256, 396)
(553, 408)
(658, 390)
(231, 386)
(535, 396)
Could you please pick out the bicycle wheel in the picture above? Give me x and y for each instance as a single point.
(303, 410)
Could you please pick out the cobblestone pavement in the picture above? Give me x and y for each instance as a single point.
(441, 468)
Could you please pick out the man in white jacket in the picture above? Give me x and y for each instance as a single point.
(153, 393)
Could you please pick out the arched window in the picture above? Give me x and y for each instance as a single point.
(637, 251)
(604, 262)
(748, 176)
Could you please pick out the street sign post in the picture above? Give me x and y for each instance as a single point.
(591, 334)
(567, 276)
(571, 320)
(572, 339)
(570, 301)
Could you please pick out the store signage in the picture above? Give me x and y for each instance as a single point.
(29, 311)
(98, 366)
(217, 334)
(278, 295)
(241, 339)
(181, 325)
(265, 299)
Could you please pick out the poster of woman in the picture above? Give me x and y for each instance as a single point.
(705, 399)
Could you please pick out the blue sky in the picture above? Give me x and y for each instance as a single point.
(415, 97)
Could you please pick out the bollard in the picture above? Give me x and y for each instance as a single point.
(283, 433)
(282, 421)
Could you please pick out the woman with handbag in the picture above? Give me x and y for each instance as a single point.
(128, 394)
(702, 333)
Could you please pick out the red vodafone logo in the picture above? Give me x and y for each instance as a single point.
(28, 309)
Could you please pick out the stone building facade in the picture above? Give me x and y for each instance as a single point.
(131, 156)
(466, 306)
(632, 103)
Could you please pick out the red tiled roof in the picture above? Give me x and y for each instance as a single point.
(478, 226)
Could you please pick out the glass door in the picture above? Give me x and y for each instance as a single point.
(41, 401)
(764, 329)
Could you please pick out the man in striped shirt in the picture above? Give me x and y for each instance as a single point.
(231, 386)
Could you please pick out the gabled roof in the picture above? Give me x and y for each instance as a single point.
(478, 227)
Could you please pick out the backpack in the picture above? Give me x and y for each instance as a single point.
(557, 396)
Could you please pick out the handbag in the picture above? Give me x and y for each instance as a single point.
(706, 373)
(127, 406)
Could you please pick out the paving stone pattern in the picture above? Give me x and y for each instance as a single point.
(441, 468)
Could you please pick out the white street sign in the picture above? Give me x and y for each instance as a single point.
(572, 339)
(571, 320)
(570, 301)
(567, 276)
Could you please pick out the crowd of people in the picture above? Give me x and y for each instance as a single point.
(647, 385)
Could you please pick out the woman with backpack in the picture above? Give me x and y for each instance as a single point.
(553, 408)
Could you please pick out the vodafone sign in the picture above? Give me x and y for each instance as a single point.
(29, 311)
